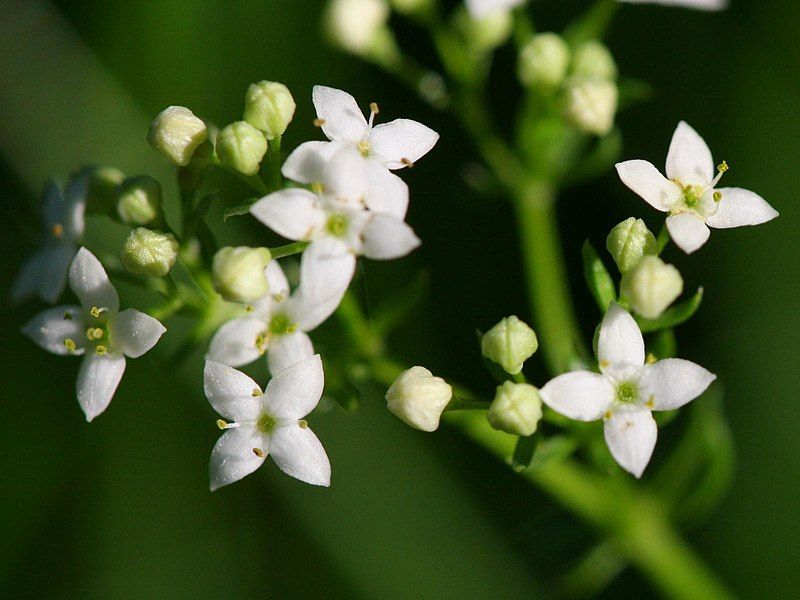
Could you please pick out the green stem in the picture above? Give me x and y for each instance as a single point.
(288, 249)
(274, 176)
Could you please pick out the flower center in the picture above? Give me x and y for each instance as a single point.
(337, 225)
(626, 392)
(97, 333)
(692, 195)
(281, 324)
(266, 423)
(363, 148)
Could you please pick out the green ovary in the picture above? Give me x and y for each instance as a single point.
(627, 392)
(337, 225)
(280, 324)
(266, 423)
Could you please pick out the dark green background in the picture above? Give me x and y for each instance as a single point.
(120, 508)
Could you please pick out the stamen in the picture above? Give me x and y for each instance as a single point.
(717, 196)
(223, 425)
(100, 350)
(57, 230)
(651, 402)
(302, 423)
(407, 163)
(256, 393)
(291, 328)
(69, 344)
(607, 415)
(722, 168)
(317, 188)
(249, 308)
(373, 110)
(604, 364)
(319, 122)
(94, 333)
(363, 146)
(262, 341)
(96, 312)
(651, 358)
(258, 452)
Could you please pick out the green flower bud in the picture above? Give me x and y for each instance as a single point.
(629, 241)
(486, 34)
(516, 409)
(176, 132)
(238, 273)
(102, 184)
(593, 60)
(241, 147)
(509, 343)
(418, 398)
(139, 200)
(148, 252)
(357, 25)
(592, 104)
(651, 286)
(543, 61)
(269, 107)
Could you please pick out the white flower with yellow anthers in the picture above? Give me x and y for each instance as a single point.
(394, 145)
(45, 273)
(278, 323)
(269, 422)
(98, 330)
(689, 193)
(626, 390)
(480, 9)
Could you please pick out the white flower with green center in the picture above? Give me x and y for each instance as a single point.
(394, 145)
(626, 390)
(266, 423)
(689, 193)
(97, 330)
(45, 273)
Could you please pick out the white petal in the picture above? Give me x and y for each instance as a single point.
(688, 231)
(98, 379)
(230, 392)
(295, 391)
(689, 160)
(620, 347)
(232, 457)
(345, 177)
(631, 436)
(276, 279)
(234, 343)
(44, 274)
(50, 328)
(402, 141)
(579, 395)
(309, 309)
(133, 332)
(293, 213)
(673, 382)
(387, 192)
(88, 279)
(387, 238)
(645, 180)
(696, 4)
(740, 207)
(75, 208)
(326, 269)
(307, 162)
(341, 117)
(298, 452)
(287, 350)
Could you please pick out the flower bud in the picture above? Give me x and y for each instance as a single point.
(543, 61)
(269, 107)
(516, 409)
(418, 398)
(651, 286)
(139, 200)
(629, 241)
(486, 33)
(509, 343)
(357, 25)
(238, 273)
(592, 104)
(148, 252)
(593, 60)
(241, 147)
(176, 132)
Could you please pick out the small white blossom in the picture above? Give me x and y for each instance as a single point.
(45, 273)
(266, 423)
(98, 330)
(480, 9)
(626, 390)
(689, 193)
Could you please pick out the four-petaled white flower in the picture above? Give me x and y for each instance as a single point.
(45, 273)
(626, 390)
(689, 193)
(269, 422)
(98, 330)
(394, 145)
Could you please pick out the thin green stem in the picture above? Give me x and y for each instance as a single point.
(273, 176)
(288, 249)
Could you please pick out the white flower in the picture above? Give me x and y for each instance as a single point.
(626, 390)
(480, 9)
(279, 322)
(689, 195)
(698, 4)
(98, 330)
(45, 273)
(394, 145)
(268, 422)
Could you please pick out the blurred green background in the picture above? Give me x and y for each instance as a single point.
(121, 509)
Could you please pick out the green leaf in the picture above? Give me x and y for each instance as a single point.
(672, 317)
(239, 209)
(597, 278)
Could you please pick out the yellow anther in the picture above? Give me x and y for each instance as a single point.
(723, 167)
(258, 452)
(363, 148)
(651, 402)
(291, 328)
(279, 297)
(249, 308)
(317, 188)
(302, 424)
(100, 350)
(373, 108)
(96, 312)
(262, 341)
(94, 333)
(57, 230)
(69, 344)
(717, 196)
(319, 122)
(604, 364)
(407, 163)
(222, 424)
(607, 415)
(651, 358)
(256, 393)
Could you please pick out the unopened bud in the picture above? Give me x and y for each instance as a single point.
(148, 252)
(592, 104)
(509, 343)
(487, 32)
(629, 241)
(651, 286)
(357, 25)
(238, 273)
(269, 107)
(139, 200)
(176, 132)
(418, 398)
(516, 409)
(593, 60)
(543, 61)
(241, 147)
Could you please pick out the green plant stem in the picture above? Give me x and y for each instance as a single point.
(288, 249)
